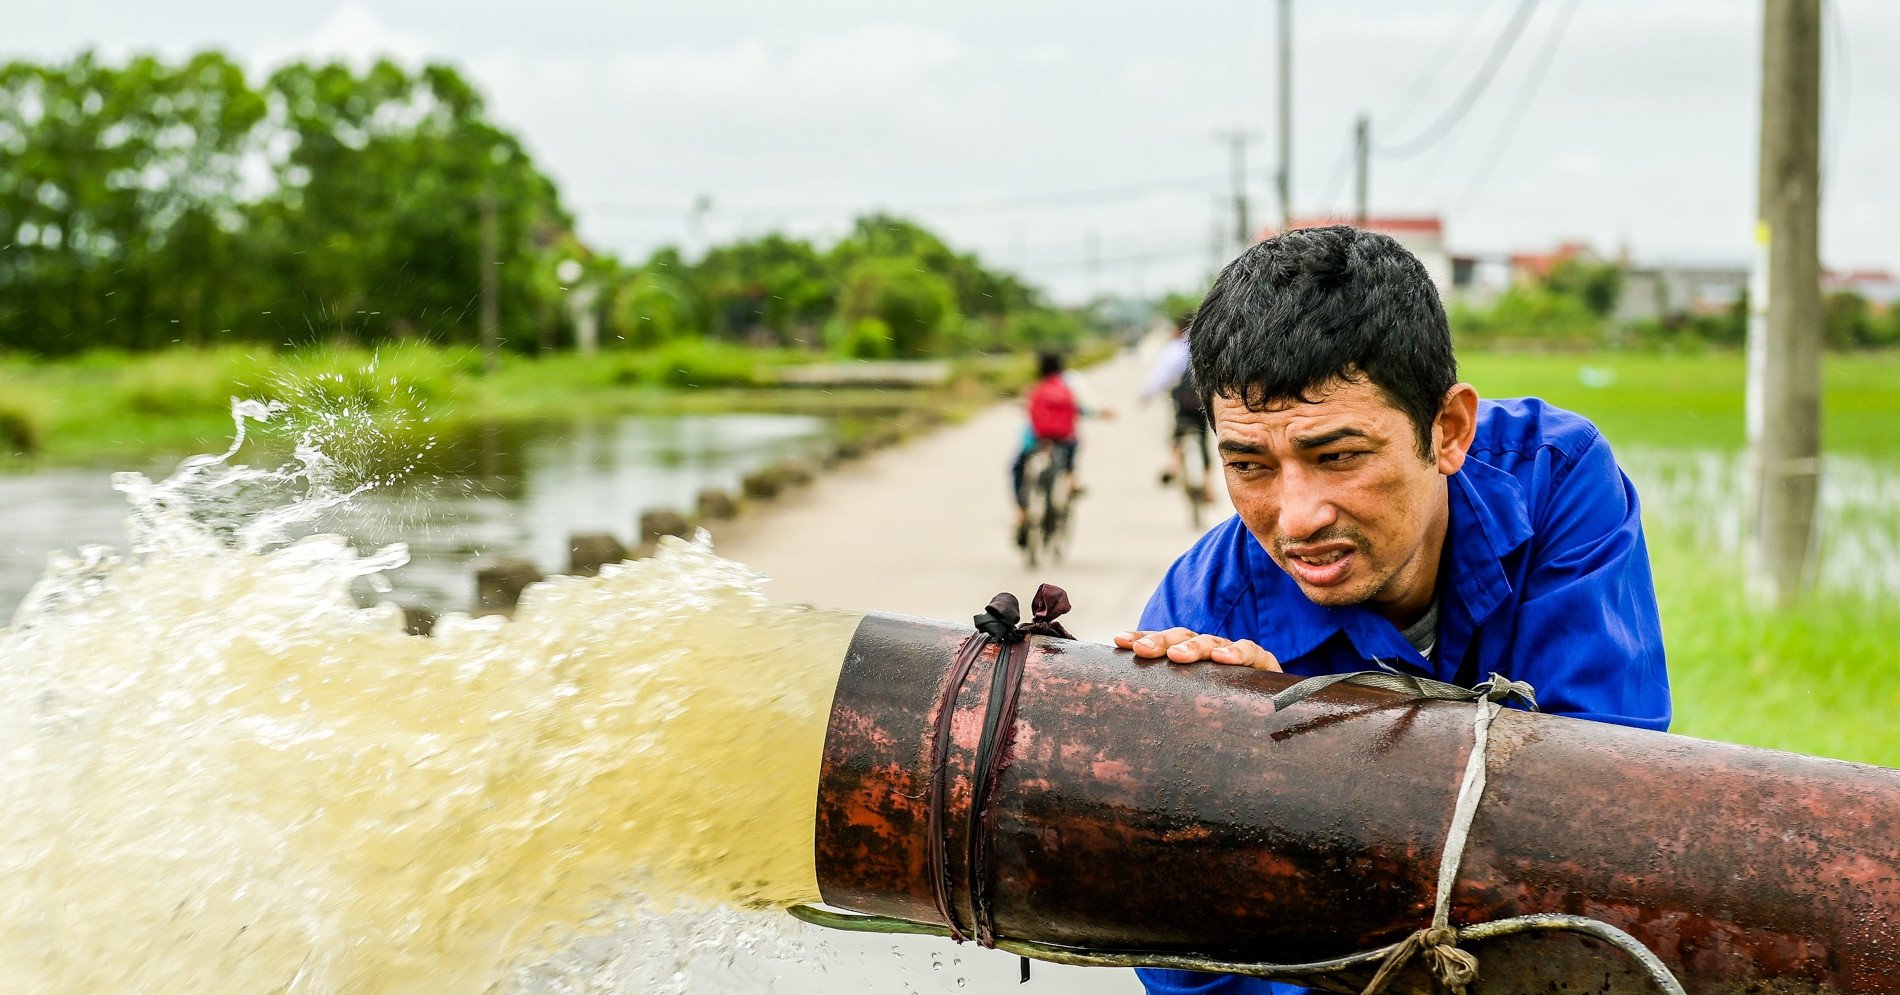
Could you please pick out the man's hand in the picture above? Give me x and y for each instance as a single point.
(1178, 645)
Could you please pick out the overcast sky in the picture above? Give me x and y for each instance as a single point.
(1076, 141)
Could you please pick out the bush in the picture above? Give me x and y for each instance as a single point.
(652, 310)
(866, 338)
(911, 301)
(19, 431)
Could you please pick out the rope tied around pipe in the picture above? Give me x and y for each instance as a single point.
(1437, 943)
(1000, 625)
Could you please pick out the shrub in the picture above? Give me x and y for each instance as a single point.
(866, 338)
(911, 301)
(19, 431)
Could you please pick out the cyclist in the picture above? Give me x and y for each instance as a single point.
(1054, 406)
(1172, 376)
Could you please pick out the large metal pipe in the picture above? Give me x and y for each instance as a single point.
(1168, 810)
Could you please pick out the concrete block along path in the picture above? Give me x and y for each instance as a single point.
(924, 529)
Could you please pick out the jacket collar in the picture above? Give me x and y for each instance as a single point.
(1487, 519)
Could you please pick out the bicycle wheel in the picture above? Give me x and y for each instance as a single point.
(1192, 482)
(1033, 508)
(1050, 508)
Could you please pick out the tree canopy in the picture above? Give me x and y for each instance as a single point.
(151, 202)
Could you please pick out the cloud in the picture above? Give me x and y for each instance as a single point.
(352, 33)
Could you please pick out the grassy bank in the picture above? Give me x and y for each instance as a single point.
(1821, 677)
(107, 407)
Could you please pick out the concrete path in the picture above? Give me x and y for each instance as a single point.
(924, 529)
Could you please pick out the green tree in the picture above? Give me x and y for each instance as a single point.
(1848, 323)
(1598, 285)
(654, 308)
(380, 201)
(775, 288)
(910, 300)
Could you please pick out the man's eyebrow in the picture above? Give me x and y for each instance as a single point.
(1240, 448)
(1304, 442)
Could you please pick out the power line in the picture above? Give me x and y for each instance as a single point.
(1455, 113)
(1064, 198)
(1436, 66)
(1516, 114)
(963, 206)
(1342, 169)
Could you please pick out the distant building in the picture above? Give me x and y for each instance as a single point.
(1529, 269)
(1478, 278)
(1653, 291)
(1423, 236)
(1880, 288)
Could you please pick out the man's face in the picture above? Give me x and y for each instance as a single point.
(1338, 495)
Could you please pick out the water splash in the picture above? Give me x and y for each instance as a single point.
(219, 773)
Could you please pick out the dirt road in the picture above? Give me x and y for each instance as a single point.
(924, 529)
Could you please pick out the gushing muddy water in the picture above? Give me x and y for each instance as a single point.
(218, 773)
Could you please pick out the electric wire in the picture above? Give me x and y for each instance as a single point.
(1454, 114)
(966, 205)
(1342, 169)
(1515, 116)
(1435, 67)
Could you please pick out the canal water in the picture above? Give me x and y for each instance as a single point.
(502, 491)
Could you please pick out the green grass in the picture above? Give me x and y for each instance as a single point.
(106, 408)
(1821, 677)
(1694, 400)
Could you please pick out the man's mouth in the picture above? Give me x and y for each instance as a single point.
(1320, 566)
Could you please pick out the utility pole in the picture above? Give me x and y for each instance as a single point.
(1236, 140)
(491, 290)
(1285, 176)
(1784, 334)
(1362, 177)
(1092, 247)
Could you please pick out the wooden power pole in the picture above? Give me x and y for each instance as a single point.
(1285, 175)
(1362, 157)
(1243, 225)
(1784, 334)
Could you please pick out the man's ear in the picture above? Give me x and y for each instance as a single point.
(1455, 427)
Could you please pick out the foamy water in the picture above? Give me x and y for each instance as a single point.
(218, 773)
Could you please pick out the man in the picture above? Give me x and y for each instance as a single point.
(1169, 375)
(1387, 518)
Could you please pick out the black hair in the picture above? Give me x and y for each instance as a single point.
(1318, 306)
(1048, 364)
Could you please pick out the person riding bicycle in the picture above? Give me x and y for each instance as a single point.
(1172, 376)
(1054, 405)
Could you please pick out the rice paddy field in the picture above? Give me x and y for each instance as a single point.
(1820, 677)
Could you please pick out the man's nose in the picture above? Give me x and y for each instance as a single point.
(1305, 506)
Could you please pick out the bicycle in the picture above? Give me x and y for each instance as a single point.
(1192, 473)
(1194, 487)
(1049, 505)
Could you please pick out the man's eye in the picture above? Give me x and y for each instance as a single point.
(1341, 457)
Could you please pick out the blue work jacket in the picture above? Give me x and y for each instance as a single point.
(1545, 580)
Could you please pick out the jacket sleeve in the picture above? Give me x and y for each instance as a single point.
(1160, 982)
(1589, 637)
